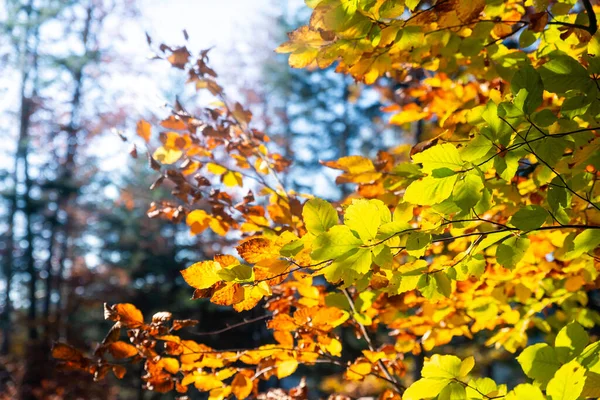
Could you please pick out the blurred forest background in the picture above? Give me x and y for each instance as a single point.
(73, 226)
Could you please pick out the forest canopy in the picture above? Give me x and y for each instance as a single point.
(474, 245)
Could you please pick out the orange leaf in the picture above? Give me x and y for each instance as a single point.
(125, 313)
(198, 221)
(144, 130)
(119, 371)
(257, 249)
(121, 350)
(173, 123)
(241, 386)
(231, 293)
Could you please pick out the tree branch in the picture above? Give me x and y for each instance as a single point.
(592, 28)
(365, 334)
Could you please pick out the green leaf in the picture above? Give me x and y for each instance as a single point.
(478, 386)
(438, 157)
(568, 382)
(468, 191)
(511, 251)
(434, 286)
(430, 190)
(363, 217)
(592, 385)
(417, 243)
(442, 367)
(563, 73)
(529, 218)
(575, 106)
(454, 391)
(526, 39)
(337, 300)
(470, 266)
(490, 240)
(319, 215)
(586, 241)
(544, 118)
(539, 362)
(477, 148)
(349, 266)
(336, 241)
(239, 273)
(412, 4)
(507, 166)
(500, 130)
(407, 278)
(528, 79)
(439, 372)
(425, 389)
(550, 150)
(559, 199)
(570, 342)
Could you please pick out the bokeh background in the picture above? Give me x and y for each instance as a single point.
(75, 76)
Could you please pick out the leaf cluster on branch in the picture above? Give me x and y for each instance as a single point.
(489, 229)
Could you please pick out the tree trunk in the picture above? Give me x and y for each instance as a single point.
(67, 196)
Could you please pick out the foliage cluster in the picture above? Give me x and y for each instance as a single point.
(490, 229)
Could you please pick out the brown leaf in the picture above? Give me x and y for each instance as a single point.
(179, 57)
(183, 323)
(65, 352)
(162, 316)
(174, 123)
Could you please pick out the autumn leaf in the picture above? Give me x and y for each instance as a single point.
(120, 350)
(144, 130)
(241, 386)
(202, 275)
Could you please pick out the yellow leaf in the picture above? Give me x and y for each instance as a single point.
(352, 164)
(374, 356)
(207, 382)
(218, 226)
(166, 156)
(216, 168)
(202, 275)
(358, 371)
(220, 393)
(303, 57)
(286, 368)
(252, 295)
(410, 113)
(198, 221)
(232, 178)
(169, 364)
